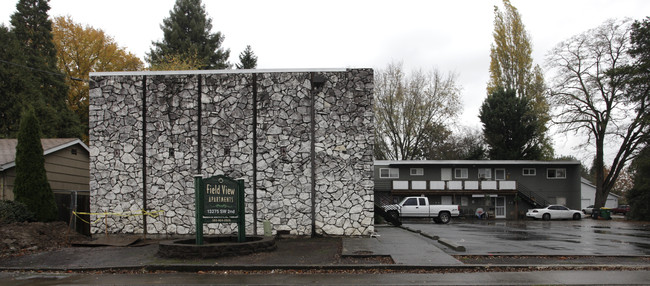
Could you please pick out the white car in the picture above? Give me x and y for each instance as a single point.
(554, 212)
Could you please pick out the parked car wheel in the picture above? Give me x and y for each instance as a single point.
(444, 217)
(577, 216)
(546, 217)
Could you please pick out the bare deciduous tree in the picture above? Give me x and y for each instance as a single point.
(589, 98)
(412, 109)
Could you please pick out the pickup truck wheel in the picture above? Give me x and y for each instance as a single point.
(577, 216)
(444, 217)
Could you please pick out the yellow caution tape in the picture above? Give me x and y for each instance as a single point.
(122, 214)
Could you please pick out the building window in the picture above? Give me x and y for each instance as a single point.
(484, 173)
(73, 151)
(389, 173)
(417, 172)
(499, 174)
(556, 173)
(529, 172)
(460, 173)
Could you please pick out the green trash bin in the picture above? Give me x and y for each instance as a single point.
(605, 213)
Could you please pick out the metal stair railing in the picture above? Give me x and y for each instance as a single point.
(531, 197)
(380, 211)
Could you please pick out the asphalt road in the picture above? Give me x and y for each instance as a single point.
(481, 278)
(533, 237)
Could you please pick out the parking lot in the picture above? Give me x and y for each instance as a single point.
(528, 237)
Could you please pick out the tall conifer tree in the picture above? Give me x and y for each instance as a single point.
(511, 68)
(14, 83)
(509, 126)
(187, 32)
(33, 32)
(31, 186)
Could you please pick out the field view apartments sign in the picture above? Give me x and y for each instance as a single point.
(219, 199)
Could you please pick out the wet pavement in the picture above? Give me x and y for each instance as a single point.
(418, 258)
(484, 278)
(404, 247)
(558, 237)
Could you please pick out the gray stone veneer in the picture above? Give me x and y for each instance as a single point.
(253, 124)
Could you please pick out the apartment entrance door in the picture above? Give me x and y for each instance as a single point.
(500, 207)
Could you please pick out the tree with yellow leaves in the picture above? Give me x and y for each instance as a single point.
(82, 50)
(511, 68)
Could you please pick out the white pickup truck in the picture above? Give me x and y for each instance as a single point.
(419, 207)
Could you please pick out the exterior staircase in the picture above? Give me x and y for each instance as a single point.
(380, 211)
(531, 197)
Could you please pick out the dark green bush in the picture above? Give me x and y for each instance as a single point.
(11, 211)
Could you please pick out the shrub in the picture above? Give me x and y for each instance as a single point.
(31, 186)
(11, 211)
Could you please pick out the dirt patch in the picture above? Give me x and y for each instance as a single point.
(17, 239)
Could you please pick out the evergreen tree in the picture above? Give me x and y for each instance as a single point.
(511, 68)
(33, 32)
(247, 59)
(638, 86)
(31, 186)
(187, 31)
(638, 83)
(639, 196)
(14, 83)
(509, 127)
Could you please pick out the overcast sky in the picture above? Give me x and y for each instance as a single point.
(451, 36)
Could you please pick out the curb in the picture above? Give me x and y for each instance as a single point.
(442, 241)
(451, 244)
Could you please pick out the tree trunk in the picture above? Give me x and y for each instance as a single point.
(601, 190)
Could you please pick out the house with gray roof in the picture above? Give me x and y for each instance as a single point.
(66, 165)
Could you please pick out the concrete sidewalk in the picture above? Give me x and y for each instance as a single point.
(407, 249)
(403, 246)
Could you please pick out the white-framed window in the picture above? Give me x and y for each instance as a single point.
(485, 173)
(499, 174)
(556, 173)
(389, 173)
(417, 172)
(460, 173)
(529, 172)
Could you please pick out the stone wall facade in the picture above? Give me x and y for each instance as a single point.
(301, 140)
